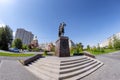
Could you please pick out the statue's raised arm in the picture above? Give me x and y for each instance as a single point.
(61, 29)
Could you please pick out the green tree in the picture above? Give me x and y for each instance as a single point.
(98, 47)
(110, 45)
(79, 47)
(17, 43)
(116, 42)
(35, 49)
(6, 37)
(94, 49)
(88, 47)
(72, 50)
(24, 46)
(29, 47)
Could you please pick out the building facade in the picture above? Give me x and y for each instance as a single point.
(24, 35)
(71, 44)
(44, 46)
(110, 39)
(51, 45)
(34, 42)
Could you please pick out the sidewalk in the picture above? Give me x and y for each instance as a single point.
(13, 70)
(109, 71)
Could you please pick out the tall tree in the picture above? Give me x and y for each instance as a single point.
(116, 42)
(24, 46)
(110, 44)
(98, 47)
(79, 47)
(6, 37)
(88, 47)
(17, 43)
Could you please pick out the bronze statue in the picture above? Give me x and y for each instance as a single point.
(61, 29)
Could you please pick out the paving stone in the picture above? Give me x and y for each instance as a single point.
(110, 70)
(13, 70)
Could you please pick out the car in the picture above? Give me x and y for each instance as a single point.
(14, 50)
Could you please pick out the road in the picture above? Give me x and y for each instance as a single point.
(109, 71)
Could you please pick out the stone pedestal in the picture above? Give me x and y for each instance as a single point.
(62, 47)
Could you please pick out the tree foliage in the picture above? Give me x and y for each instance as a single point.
(116, 42)
(24, 46)
(110, 45)
(72, 50)
(98, 47)
(88, 47)
(79, 47)
(94, 49)
(17, 43)
(6, 37)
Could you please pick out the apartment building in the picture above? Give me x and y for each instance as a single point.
(24, 35)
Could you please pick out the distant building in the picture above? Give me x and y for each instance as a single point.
(110, 39)
(34, 42)
(71, 44)
(24, 35)
(43, 46)
(49, 46)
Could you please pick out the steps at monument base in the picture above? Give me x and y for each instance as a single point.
(49, 63)
(39, 74)
(73, 62)
(57, 64)
(47, 68)
(62, 60)
(74, 65)
(70, 59)
(71, 68)
(66, 70)
(80, 76)
(76, 73)
(47, 74)
(61, 67)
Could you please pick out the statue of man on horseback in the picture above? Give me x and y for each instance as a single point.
(61, 29)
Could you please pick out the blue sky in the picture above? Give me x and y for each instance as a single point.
(88, 21)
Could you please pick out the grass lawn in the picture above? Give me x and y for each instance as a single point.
(15, 54)
(105, 51)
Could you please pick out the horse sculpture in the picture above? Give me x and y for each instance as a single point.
(61, 29)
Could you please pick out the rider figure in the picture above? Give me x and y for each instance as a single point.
(61, 29)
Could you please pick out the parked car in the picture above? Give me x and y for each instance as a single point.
(14, 50)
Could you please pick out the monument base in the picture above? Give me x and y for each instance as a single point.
(62, 47)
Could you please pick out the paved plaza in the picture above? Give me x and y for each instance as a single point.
(110, 70)
(11, 69)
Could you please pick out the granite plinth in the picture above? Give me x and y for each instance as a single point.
(62, 47)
